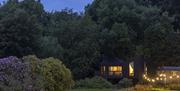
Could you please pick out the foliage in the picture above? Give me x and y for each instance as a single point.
(122, 17)
(11, 74)
(19, 31)
(48, 45)
(33, 77)
(160, 40)
(56, 77)
(125, 83)
(33, 74)
(74, 40)
(149, 30)
(117, 38)
(142, 87)
(172, 7)
(122, 28)
(169, 86)
(95, 82)
(173, 86)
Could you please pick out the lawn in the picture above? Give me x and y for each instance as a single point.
(101, 90)
(117, 90)
(152, 89)
(93, 90)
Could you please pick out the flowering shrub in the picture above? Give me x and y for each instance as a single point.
(33, 74)
(11, 73)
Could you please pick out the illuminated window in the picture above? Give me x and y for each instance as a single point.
(131, 69)
(103, 70)
(115, 70)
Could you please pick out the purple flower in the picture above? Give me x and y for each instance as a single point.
(11, 68)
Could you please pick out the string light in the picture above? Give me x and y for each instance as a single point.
(157, 78)
(161, 77)
(153, 80)
(170, 77)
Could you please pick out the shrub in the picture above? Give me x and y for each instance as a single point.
(11, 74)
(142, 87)
(33, 78)
(125, 83)
(95, 82)
(56, 76)
(174, 87)
(33, 74)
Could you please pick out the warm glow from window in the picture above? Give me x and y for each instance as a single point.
(103, 70)
(131, 69)
(115, 70)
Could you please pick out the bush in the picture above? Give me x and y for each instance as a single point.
(93, 83)
(33, 74)
(33, 79)
(139, 87)
(56, 76)
(11, 74)
(174, 87)
(125, 83)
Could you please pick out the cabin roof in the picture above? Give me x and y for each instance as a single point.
(112, 61)
(169, 68)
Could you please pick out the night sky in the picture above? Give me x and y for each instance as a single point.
(57, 5)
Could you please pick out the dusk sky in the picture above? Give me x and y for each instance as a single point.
(57, 5)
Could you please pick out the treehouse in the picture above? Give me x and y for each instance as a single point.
(113, 68)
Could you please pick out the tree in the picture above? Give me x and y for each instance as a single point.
(117, 42)
(146, 28)
(75, 40)
(171, 6)
(136, 18)
(161, 44)
(19, 33)
(50, 47)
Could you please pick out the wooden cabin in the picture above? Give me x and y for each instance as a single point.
(113, 68)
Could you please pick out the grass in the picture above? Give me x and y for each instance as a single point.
(136, 88)
(158, 89)
(153, 89)
(93, 90)
(101, 90)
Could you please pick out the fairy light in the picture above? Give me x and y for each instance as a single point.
(153, 80)
(161, 79)
(157, 78)
(170, 77)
